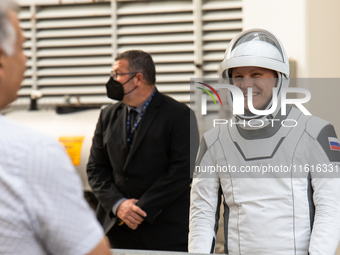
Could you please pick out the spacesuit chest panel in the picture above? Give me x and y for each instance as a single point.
(265, 147)
(278, 150)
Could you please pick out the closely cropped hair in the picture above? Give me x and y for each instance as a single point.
(7, 31)
(140, 61)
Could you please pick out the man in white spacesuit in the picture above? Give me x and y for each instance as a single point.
(278, 180)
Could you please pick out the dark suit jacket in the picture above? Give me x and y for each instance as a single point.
(156, 171)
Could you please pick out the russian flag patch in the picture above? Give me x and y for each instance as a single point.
(334, 143)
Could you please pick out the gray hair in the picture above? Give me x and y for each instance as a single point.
(140, 61)
(7, 31)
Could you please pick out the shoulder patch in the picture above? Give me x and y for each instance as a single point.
(334, 143)
(330, 143)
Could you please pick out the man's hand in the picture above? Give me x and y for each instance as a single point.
(130, 213)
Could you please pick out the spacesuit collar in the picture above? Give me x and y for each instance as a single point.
(267, 131)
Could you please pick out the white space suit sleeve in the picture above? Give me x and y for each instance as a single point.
(204, 204)
(326, 194)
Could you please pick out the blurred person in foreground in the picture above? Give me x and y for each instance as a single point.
(42, 209)
(139, 166)
(290, 208)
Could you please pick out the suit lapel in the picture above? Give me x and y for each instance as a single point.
(119, 136)
(124, 136)
(145, 123)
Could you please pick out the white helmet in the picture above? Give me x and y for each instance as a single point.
(260, 48)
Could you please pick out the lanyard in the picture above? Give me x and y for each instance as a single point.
(137, 120)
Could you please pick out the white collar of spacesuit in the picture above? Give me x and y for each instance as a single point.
(266, 131)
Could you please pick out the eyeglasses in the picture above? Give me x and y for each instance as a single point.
(114, 75)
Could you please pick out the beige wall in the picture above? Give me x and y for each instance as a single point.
(286, 19)
(309, 30)
(323, 33)
(323, 56)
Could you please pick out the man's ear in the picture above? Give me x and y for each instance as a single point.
(140, 78)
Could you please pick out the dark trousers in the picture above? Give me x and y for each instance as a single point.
(122, 237)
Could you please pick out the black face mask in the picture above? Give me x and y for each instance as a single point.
(114, 89)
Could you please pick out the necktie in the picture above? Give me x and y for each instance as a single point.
(133, 115)
(132, 129)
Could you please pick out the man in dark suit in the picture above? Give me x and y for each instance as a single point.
(139, 167)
